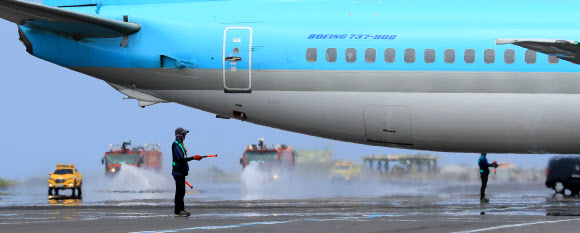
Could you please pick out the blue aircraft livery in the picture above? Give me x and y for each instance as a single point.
(489, 76)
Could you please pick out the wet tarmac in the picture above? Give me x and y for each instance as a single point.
(386, 207)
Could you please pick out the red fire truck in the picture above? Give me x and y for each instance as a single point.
(147, 156)
(278, 160)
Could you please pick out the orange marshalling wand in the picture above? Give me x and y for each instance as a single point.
(495, 168)
(205, 156)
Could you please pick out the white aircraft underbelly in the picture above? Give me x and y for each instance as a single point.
(484, 121)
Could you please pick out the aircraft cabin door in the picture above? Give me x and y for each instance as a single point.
(388, 124)
(237, 59)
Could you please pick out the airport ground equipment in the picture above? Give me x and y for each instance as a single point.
(345, 172)
(65, 177)
(146, 156)
(314, 156)
(400, 165)
(563, 172)
(279, 160)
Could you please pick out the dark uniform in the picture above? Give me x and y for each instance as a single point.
(484, 173)
(180, 169)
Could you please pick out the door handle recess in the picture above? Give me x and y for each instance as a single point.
(234, 59)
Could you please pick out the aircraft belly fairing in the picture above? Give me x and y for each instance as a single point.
(143, 99)
(347, 81)
(457, 118)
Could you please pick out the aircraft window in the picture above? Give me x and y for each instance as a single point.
(449, 56)
(389, 55)
(311, 54)
(350, 55)
(331, 55)
(489, 56)
(530, 56)
(429, 55)
(509, 56)
(370, 55)
(409, 55)
(469, 56)
(553, 60)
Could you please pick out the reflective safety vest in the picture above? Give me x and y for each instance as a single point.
(486, 165)
(182, 149)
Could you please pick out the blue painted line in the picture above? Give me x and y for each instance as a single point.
(221, 227)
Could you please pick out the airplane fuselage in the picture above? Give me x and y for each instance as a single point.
(408, 74)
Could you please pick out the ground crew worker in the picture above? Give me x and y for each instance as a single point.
(484, 173)
(180, 170)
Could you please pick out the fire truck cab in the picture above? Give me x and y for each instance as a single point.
(147, 156)
(278, 159)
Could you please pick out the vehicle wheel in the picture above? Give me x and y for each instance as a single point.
(559, 187)
(50, 191)
(80, 190)
(73, 192)
(56, 192)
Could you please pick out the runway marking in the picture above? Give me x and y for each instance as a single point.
(15, 223)
(516, 225)
(268, 223)
(219, 227)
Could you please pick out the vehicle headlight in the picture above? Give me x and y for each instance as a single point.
(275, 176)
(50, 185)
(112, 169)
(70, 184)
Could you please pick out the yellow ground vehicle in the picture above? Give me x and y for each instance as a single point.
(65, 177)
(345, 171)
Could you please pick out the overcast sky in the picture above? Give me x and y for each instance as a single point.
(54, 115)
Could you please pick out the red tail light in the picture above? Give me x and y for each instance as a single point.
(547, 171)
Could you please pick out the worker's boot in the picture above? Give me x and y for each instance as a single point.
(484, 200)
(183, 213)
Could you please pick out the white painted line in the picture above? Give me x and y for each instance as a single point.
(16, 223)
(270, 223)
(517, 225)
